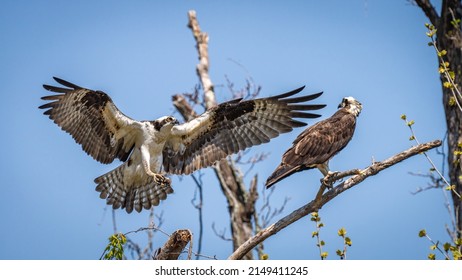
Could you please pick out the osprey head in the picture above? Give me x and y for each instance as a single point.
(164, 122)
(352, 105)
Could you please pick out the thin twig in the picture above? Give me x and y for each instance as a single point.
(198, 206)
(437, 247)
(429, 10)
(221, 234)
(114, 224)
(409, 124)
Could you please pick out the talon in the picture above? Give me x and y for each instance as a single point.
(161, 180)
(327, 182)
(329, 179)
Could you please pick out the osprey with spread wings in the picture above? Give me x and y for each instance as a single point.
(150, 150)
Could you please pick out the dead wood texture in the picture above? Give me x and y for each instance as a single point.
(174, 245)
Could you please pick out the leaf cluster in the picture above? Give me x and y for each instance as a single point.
(320, 243)
(454, 248)
(115, 248)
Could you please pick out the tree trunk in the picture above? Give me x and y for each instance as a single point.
(241, 203)
(449, 38)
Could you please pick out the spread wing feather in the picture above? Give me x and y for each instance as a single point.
(231, 127)
(92, 119)
(316, 145)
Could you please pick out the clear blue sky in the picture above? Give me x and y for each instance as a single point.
(141, 53)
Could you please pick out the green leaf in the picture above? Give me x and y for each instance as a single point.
(341, 232)
(422, 233)
(447, 84)
(457, 255)
(455, 23)
(348, 241)
(431, 256)
(446, 246)
(324, 255)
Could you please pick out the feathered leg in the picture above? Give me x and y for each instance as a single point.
(145, 159)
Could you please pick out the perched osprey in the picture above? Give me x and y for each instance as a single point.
(315, 146)
(152, 149)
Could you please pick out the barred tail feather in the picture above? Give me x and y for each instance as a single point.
(130, 196)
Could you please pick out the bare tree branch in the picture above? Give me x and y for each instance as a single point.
(429, 11)
(221, 234)
(183, 107)
(316, 204)
(198, 206)
(202, 68)
(268, 211)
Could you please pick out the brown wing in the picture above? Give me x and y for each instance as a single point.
(316, 145)
(231, 127)
(92, 119)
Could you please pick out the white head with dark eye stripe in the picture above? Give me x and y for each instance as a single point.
(165, 122)
(352, 105)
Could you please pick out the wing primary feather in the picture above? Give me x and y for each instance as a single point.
(297, 107)
(304, 115)
(56, 89)
(66, 83)
(303, 98)
(287, 94)
(295, 123)
(48, 105)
